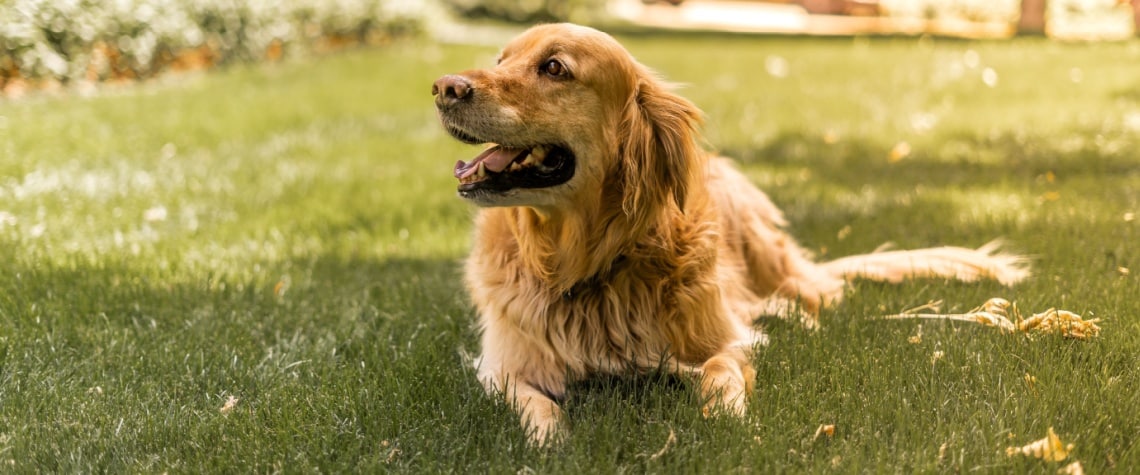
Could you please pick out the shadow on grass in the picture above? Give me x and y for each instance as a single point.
(1130, 95)
(336, 364)
(348, 354)
(959, 158)
(969, 190)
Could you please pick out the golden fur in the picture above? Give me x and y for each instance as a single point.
(654, 254)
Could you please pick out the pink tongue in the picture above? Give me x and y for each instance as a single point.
(496, 159)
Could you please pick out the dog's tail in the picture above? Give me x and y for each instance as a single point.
(967, 265)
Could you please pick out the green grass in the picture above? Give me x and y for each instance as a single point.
(308, 264)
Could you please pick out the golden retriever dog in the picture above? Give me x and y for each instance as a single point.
(608, 241)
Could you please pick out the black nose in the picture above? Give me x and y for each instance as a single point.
(451, 89)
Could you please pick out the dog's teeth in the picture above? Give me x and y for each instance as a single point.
(538, 152)
(482, 171)
(515, 166)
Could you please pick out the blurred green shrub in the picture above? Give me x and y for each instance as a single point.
(528, 11)
(68, 40)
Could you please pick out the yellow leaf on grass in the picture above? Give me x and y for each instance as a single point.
(231, 403)
(824, 430)
(1030, 380)
(998, 312)
(1050, 449)
(1068, 324)
(900, 151)
(1074, 468)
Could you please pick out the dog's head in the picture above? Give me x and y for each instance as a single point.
(569, 115)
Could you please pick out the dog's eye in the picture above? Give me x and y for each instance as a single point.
(553, 68)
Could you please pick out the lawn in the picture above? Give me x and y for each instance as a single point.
(257, 269)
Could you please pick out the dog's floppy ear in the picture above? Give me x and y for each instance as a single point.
(658, 150)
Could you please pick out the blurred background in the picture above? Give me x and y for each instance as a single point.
(44, 44)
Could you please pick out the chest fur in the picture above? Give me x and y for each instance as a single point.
(609, 323)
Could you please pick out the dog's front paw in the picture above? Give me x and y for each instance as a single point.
(726, 383)
(731, 401)
(543, 424)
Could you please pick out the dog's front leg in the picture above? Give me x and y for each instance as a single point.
(726, 382)
(540, 416)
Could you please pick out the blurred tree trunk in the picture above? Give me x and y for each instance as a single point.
(822, 7)
(1136, 15)
(1032, 19)
(837, 7)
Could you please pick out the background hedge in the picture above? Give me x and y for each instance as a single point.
(68, 40)
(528, 11)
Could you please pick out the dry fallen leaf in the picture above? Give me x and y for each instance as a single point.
(917, 337)
(1074, 468)
(1068, 324)
(942, 452)
(1050, 449)
(231, 403)
(996, 312)
(824, 430)
(843, 232)
(669, 442)
(900, 151)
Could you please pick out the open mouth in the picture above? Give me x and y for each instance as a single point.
(501, 168)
